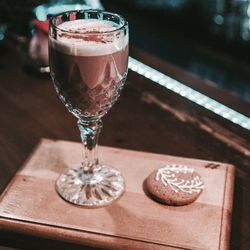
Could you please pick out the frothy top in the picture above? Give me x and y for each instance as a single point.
(86, 38)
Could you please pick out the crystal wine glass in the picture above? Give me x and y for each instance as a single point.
(88, 54)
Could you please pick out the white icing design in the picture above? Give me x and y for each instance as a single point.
(167, 176)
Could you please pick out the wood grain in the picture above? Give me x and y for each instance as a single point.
(134, 220)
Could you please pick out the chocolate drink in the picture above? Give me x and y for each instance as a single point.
(88, 69)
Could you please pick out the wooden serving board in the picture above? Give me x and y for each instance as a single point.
(30, 204)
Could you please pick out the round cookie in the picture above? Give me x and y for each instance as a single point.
(174, 185)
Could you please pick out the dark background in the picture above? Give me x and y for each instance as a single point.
(187, 37)
(182, 32)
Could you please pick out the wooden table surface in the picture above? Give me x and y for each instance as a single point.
(147, 117)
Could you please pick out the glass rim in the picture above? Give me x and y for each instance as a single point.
(53, 17)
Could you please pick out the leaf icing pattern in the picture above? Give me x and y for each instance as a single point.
(167, 175)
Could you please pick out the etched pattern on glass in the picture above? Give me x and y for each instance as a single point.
(101, 188)
(95, 102)
(89, 68)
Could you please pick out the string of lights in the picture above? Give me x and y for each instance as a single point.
(189, 93)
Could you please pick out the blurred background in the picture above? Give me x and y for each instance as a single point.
(211, 38)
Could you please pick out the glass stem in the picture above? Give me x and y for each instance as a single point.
(90, 131)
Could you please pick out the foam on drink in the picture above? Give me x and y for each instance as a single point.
(84, 38)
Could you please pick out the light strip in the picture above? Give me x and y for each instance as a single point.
(189, 93)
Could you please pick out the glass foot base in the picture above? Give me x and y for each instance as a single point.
(102, 187)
